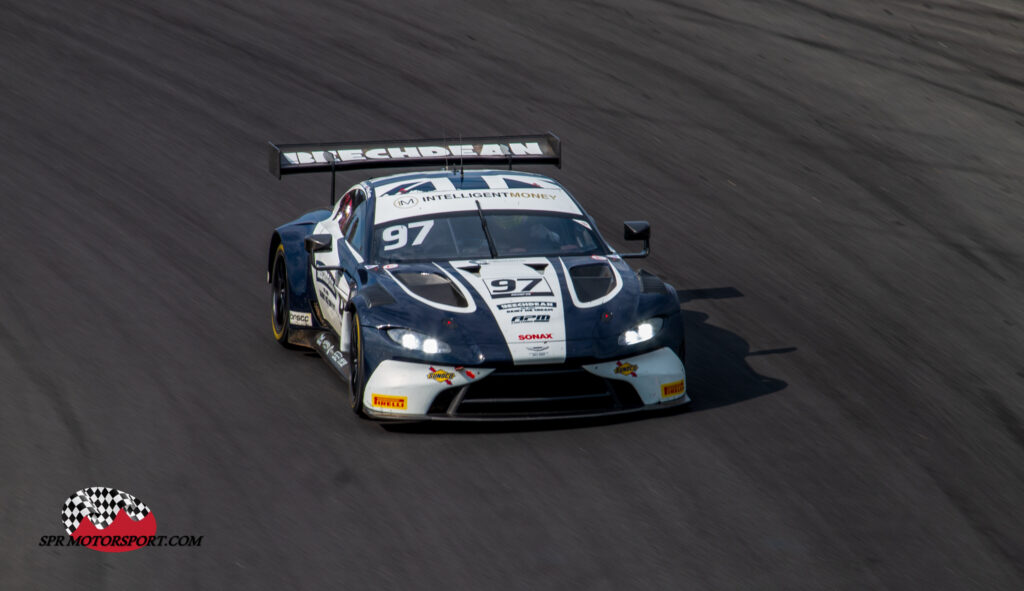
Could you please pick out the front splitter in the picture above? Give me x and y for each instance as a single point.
(394, 418)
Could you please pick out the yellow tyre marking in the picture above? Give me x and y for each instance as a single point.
(359, 348)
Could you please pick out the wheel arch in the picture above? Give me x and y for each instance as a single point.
(290, 238)
(275, 240)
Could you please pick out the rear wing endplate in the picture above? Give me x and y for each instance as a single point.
(519, 149)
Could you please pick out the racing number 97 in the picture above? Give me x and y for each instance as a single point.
(509, 285)
(398, 236)
(521, 286)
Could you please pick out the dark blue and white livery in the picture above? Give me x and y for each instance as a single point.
(470, 294)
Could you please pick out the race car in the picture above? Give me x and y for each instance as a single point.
(462, 293)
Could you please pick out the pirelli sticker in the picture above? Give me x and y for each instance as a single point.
(673, 389)
(390, 402)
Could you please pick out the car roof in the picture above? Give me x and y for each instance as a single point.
(417, 194)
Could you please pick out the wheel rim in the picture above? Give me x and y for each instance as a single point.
(280, 288)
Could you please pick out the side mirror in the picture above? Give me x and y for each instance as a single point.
(637, 231)
(319, 243)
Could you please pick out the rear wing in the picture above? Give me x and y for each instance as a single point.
(326, 157)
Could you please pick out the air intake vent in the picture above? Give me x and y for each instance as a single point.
(434, 287)
(592, 281)
(650, 283)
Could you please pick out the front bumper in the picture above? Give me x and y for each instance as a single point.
(400, 390)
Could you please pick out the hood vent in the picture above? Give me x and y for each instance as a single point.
(593, 281)
(434, 287)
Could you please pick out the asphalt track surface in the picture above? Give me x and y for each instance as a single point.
(835, 187)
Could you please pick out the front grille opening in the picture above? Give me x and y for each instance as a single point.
(537, 393)
(443, 400)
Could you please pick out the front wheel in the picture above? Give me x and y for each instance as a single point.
(357, 383)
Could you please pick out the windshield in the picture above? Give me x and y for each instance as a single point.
(461, 236)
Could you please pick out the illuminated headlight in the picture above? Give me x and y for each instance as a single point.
(417, 341)
(644, 331)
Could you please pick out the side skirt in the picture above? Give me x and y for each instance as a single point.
(302, 337)
(326, 344)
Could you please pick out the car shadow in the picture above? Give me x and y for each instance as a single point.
(716, 359)
(716, 368)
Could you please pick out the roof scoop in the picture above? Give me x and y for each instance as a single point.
(538, 267)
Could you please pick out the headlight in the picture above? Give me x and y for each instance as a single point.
(417, 341)
(644, 331)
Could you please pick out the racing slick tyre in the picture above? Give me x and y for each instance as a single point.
(357, 384)
(280, 298)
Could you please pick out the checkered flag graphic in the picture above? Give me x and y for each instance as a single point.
(101, 505)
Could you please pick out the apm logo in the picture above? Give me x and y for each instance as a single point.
(108, 520)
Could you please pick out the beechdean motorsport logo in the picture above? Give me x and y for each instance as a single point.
(111, 520)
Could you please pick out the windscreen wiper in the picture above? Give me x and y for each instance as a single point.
(487, 233)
